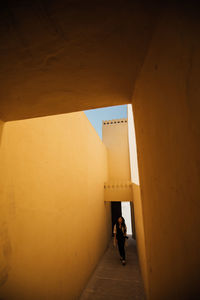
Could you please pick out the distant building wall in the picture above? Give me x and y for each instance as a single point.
(115, 138)
(119, 186)
(54, 223)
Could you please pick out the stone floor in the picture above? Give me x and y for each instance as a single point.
(112, 281)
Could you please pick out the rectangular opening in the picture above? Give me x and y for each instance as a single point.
(126, 214)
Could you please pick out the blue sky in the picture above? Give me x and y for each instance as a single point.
(96, 116)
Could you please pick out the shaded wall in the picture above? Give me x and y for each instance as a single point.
(63, 56)
(53, 206)
(166, 109)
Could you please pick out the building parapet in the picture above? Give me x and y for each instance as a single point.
(115, 121)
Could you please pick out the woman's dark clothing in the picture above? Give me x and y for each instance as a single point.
(121, 241)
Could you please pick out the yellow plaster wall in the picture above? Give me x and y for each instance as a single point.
(166, 109)
(56, 225)
(115, 137)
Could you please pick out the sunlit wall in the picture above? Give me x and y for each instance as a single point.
(132, 146)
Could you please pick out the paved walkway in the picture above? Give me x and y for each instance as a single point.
(112, 281)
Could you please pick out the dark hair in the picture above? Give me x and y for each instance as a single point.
(123, 223)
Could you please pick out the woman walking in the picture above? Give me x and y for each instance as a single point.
(119, 237)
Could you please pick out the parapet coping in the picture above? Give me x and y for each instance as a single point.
(115, 121)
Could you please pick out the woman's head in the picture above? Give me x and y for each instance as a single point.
(121, 223)
(120, 220)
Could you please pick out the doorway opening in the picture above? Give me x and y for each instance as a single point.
(122, 209)
(126, 214)
(116, 211)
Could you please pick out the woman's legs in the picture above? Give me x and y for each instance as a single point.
(121, 248)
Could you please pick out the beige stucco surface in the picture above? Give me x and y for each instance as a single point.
(55, 224)
(166, 109)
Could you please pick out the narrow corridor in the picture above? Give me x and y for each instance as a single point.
(111, 280)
